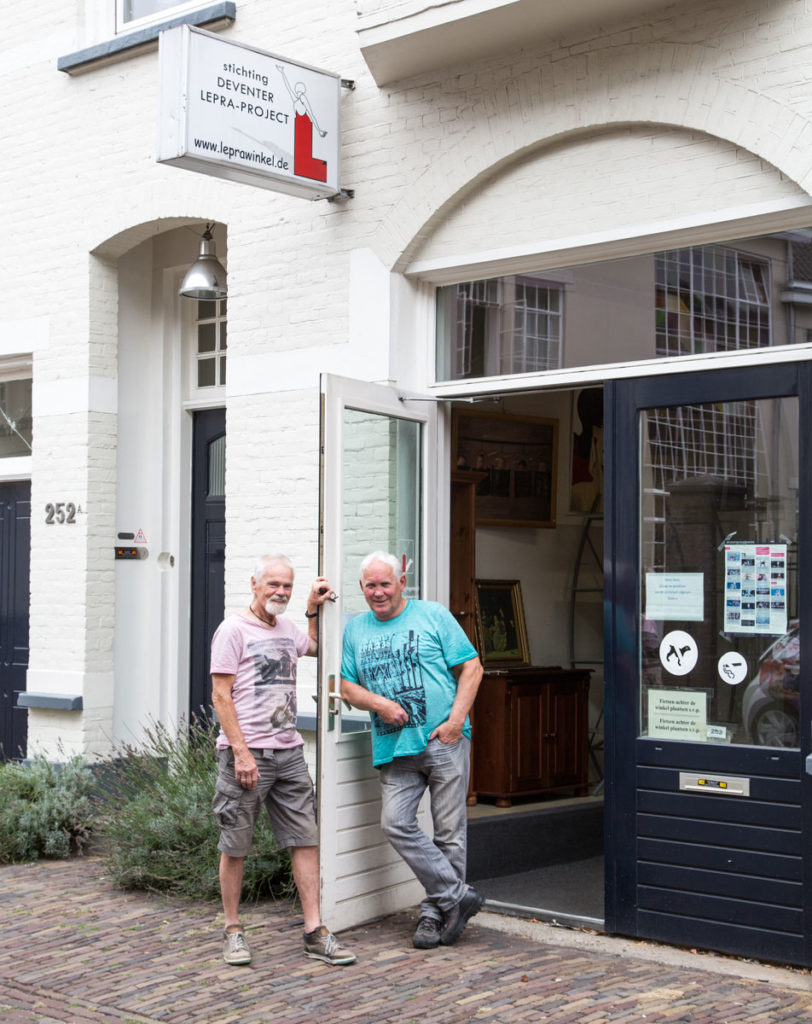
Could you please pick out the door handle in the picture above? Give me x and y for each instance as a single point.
(334, 702)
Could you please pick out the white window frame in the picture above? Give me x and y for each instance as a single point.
(219, 353)
(195, 397)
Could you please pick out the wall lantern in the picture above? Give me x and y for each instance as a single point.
(206, 278)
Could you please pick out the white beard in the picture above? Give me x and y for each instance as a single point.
(273, 607)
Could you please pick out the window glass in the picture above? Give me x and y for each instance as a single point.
(217, 467)
(678, 302)
(382, 458)
(206, 337)
(499, 326)
(206, 373)
(15, 418)
(710, 299)
(719, 644)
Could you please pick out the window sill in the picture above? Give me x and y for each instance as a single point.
(219, 15)
(50, 701)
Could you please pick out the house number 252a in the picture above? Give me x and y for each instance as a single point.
(60, 512)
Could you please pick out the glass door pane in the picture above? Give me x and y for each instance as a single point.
(381, 501)
(718, 583)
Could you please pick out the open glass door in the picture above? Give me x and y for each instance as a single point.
(709, 809)
(378, 481)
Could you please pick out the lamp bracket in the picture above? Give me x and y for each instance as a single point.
(341, 195)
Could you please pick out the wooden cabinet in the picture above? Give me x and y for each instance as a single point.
(530, 733)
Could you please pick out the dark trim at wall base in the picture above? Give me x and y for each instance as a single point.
(219, 15)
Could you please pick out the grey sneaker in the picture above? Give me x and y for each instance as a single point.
(427, 933)
(321, 944)
(235, 948)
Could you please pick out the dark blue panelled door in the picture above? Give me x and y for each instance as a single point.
(707, 615)
(208, 549)
(15, 544)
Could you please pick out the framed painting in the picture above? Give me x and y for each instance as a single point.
(515, 459)
(500, 625)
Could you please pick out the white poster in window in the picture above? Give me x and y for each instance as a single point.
(678, 596)
(755, 588)
(678, 715)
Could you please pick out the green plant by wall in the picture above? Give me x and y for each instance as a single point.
(156, 825)
(46, 810)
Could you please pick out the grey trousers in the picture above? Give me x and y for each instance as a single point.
(439, 864)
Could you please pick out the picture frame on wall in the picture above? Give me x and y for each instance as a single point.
(500, 625)
(515, 460)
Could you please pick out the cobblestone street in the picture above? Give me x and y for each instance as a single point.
(76, 951)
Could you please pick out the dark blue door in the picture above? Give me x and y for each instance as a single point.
(208, 549)
(707, 614)
(15, 545)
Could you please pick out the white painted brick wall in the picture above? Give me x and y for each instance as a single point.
(79, 182)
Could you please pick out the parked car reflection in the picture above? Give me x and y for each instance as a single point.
(771, 700)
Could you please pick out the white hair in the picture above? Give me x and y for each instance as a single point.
(381, 556)
(264, 561)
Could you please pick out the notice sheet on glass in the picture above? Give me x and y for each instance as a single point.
(756, 588)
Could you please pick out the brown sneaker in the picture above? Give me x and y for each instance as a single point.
(321, 944)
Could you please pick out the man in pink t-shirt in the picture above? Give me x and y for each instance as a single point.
(253, 670)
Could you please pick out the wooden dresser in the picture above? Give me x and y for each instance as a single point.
(530, 733)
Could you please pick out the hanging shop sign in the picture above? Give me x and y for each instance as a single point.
(246, 115)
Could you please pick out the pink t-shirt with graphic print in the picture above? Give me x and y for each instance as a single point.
(263, 663)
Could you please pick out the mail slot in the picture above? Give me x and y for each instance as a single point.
(726, 785)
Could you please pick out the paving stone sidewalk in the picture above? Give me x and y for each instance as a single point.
(73, 950)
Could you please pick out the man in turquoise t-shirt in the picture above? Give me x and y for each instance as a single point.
(413, 668)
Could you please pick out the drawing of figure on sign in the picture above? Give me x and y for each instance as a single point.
(304, 163)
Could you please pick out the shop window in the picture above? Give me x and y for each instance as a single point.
(211, 337)
(15, 418)
(131, 14)
(499, 326)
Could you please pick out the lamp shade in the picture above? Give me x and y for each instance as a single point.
(206, 278)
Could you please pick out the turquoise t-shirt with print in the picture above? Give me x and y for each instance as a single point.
(408, 659)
